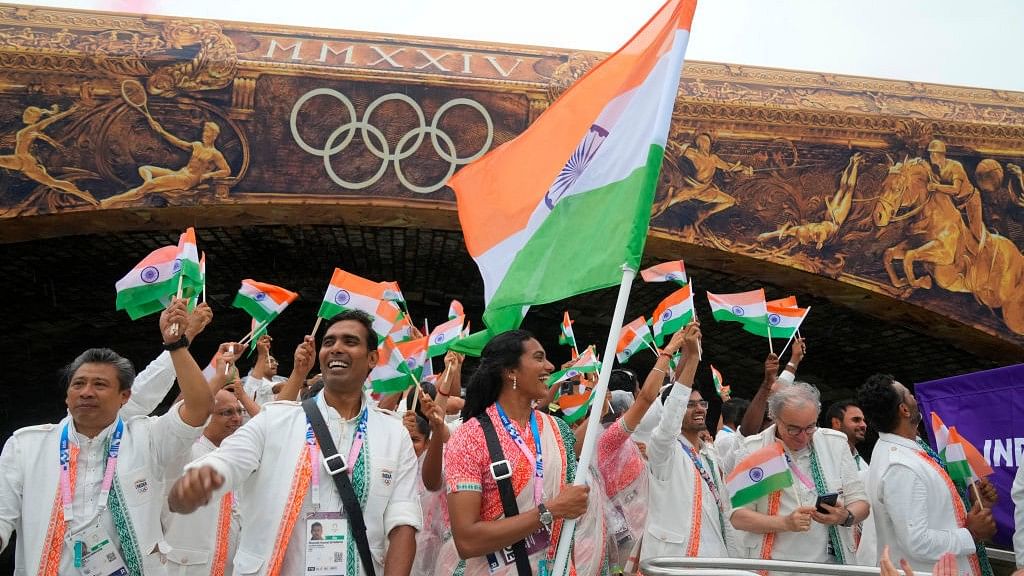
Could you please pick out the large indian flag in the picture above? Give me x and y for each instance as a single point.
(155, 277)
(672, 314)
(758, 475)
(558, 210)
(263, 301)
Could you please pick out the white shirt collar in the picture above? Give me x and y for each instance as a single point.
(899, 440)
(331, 414)
(75, 437)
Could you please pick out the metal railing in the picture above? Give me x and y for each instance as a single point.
(668, 566)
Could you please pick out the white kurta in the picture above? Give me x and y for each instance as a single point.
(193, 537)
(840, 475)
(263, 456)
(1017, 495)
(30, 473)
(912, 506)
(672, 496)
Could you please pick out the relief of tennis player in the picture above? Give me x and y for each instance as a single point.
(22, 160)
(205, 163)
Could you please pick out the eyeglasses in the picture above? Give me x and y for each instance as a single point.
(797, 430)
(690, 405)
(229, 413)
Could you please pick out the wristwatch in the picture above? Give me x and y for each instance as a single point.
(546, 518)
(179, 343)
(849, 520)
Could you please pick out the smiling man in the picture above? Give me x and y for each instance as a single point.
(785, 525)
(689, 508)
(288, 485)
(85, 495)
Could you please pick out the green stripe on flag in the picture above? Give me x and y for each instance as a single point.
(764, 487)
(563, 257)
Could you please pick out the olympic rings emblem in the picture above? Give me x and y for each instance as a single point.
(378, 145)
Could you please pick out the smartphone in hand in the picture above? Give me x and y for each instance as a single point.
(831, 499)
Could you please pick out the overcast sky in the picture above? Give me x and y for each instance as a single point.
(972, 43)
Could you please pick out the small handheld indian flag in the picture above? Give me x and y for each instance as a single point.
(393, 293)
(350, 292)
(566, 337)
(672, 314)
(782, 322)
(746, 307)
(635, 335)
(587, 363)
(720, 388)
(674, 271)
(575, 406)
(443, 336)
(391, 374)
(455, 310)
(758, 475)
(414, 352)
(942, 436)
(263, 301)
(787, 302)
(402, 330)
(188, 257)
(155, 277)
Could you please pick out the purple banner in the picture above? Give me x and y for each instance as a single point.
(987, 409)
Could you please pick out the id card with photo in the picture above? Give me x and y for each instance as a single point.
(96, 553)
(326, 543)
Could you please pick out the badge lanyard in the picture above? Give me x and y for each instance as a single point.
(699, 464)
(538, 460)
(67, 490)
(800, 475)
(313, 451)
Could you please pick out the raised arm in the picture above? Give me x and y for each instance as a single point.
(174, 140)
(198, 400)
(653, 383)
(753, 420)
(305, 357)
(664, 436)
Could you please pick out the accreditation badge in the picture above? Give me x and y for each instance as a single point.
(326, 543)
(95, 553)
(536, 542)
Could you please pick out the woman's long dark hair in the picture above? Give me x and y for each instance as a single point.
(501, 353)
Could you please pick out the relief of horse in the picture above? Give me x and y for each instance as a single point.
(991, 270)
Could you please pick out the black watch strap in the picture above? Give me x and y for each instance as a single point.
(179, 343)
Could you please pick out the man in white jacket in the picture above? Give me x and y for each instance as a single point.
(788, 527)
(204, 542)
(918, 511)
(288, 486)
(689, 508)
(86, 494)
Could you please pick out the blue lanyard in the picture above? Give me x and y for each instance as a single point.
(67, 490)
(538, 459)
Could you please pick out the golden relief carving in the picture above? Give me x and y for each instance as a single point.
(129, 53)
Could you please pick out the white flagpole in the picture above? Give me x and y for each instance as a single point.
(594, 422)
(795, 332)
